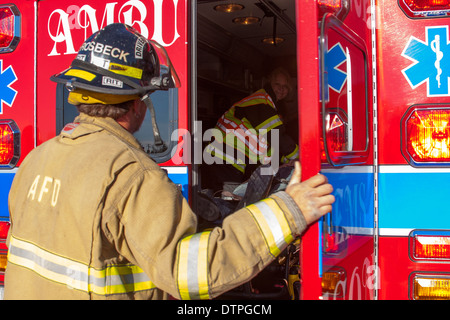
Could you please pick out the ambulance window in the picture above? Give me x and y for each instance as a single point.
(344, 94)
(166, 109)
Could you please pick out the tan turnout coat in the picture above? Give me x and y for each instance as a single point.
(93, 217)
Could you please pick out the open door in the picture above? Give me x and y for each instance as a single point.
(336, 137)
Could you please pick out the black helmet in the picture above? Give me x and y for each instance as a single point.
(117, 64)
(117, 60)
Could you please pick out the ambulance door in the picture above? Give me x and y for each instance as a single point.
(344, 238)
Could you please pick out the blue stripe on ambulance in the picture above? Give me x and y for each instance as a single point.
(353, 190)
(179, 176)
(412, 198)
(6, 178)
(353, 209)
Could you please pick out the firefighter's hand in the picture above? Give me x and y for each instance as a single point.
(313, 196)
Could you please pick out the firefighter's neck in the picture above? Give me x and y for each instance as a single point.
(133, 119)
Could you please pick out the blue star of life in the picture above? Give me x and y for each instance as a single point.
(334, 77)
(431, 61)
(7, 94)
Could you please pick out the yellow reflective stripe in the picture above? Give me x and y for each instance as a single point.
(259, 97)
(32, 257)
(293, 155)
(112, 279)
(193, 267)
(80, 74)
(273, 225)
(270, 123)
(126, 70)
(183, 255)
(122, 279)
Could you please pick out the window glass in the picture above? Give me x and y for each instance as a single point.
(165, 104)
(166, 109)
(344, 94)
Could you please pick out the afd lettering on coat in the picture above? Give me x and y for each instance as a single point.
(62, 23)
(45, 189)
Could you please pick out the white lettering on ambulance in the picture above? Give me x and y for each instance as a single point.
(61, 24)
(61, 35)
(47, 185)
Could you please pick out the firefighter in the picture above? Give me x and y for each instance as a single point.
(93, 217)
(248, 128)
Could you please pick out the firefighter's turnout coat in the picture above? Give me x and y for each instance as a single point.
(93, 217)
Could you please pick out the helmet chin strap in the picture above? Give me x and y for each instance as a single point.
(159, 144)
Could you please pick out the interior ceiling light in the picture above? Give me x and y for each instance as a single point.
(272, 41)
(246, 20)
(228, 8)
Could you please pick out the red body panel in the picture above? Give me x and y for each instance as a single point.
(62, 33)
(395, 95)
(21, 60)
(308, 82)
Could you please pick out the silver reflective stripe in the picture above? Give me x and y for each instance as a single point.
(273, 225)
(193, 267)
(75, 275)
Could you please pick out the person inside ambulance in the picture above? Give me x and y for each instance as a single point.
(248, 127)
(93, 217)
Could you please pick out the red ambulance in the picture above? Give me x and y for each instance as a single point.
(371, 111)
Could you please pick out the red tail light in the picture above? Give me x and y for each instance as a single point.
(430, 245)
(426, 136)
(336, 135)
(9, 28)
(339, 8)
(9, 143)
(4, 228)
(425, 8)
(332, 4)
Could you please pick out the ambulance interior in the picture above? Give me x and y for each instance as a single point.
(236, 50)
(235, 54)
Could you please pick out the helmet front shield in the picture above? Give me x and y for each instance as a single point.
(167, 74)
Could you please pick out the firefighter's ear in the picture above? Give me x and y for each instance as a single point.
(297, 175)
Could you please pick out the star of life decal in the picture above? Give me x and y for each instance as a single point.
(431, 61)
(335, 77)
(7, 94)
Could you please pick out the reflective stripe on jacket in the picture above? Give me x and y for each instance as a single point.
(93, 217)
(112, 279)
